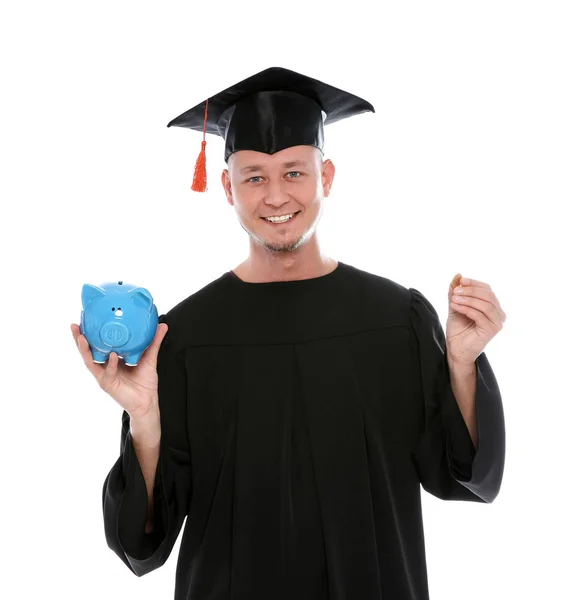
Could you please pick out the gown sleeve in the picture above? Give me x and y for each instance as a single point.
(448, 465)
(124, 492)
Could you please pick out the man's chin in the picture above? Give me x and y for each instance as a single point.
(282, 247)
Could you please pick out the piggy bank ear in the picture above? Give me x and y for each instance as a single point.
(91, 292)
(141, 297)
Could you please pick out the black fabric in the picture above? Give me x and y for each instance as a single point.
(299, 421)
(272, 110)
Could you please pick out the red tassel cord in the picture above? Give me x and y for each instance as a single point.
(200, 183)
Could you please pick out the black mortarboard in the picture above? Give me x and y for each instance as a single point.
(272, 110)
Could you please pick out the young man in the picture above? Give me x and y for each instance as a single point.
(301, 402)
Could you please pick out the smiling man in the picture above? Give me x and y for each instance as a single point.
(279, 201)
(303, 403)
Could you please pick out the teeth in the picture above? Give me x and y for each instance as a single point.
(279, 219)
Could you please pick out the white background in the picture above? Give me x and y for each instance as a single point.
(470, 164)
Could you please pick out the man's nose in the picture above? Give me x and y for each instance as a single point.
(275, 193)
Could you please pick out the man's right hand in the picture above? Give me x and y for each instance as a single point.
(133, 388)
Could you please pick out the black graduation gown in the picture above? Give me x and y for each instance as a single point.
(299, 419)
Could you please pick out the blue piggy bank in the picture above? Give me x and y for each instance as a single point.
(118, 317)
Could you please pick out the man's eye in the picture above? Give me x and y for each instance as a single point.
(294, 175)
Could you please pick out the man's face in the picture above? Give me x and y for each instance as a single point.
(292, 181)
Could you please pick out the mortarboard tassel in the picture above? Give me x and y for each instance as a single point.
(200, 183)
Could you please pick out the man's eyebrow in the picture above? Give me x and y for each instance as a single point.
(287, 165)
(251, 169)
(295, 163)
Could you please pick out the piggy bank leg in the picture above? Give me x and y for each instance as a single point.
(99, 357)
(131, 361)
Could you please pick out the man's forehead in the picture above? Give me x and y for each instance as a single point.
(246, 161)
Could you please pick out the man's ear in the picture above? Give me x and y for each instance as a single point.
(328, 175)
(227, 185)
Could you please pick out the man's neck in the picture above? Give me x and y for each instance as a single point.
(284, 271)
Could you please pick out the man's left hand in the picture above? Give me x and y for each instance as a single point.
(473, 320)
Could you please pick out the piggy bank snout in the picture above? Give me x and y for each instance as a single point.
(114, 334)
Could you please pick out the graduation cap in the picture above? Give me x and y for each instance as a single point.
(267, 112)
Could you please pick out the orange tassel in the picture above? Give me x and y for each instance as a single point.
(200, 178)
(200, 183)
